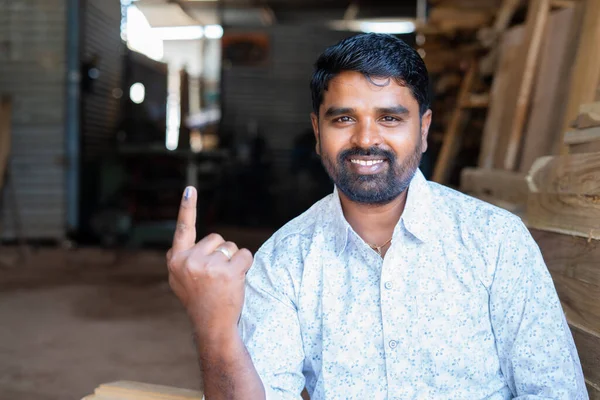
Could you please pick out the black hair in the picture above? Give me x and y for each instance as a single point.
(373, 55)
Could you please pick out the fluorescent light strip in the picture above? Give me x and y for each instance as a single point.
(179, 32)
(400, 27)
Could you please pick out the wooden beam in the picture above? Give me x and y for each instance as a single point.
(585, 76)
(453, 135)
(544, 122)
(568, 174)
(521, 85)
(590, 147)
(503, 185)
(570, 214)
(509, 51)
(589, 116)
(582, 135)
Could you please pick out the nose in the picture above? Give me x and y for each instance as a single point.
(366, 134)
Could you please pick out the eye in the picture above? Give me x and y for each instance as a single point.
(389, 118)
(344, 118)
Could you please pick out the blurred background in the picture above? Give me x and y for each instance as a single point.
(110, 108)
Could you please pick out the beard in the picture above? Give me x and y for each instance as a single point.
(376, 189)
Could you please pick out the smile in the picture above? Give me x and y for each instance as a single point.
(366, 162)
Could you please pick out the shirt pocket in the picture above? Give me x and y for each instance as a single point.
(455, 338)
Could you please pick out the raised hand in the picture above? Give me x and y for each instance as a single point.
(208, 277)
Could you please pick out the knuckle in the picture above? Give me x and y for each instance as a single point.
(215, 237)
(182, 227)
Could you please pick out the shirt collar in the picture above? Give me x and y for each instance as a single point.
(417, 217)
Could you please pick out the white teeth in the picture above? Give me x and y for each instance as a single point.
(366, 162)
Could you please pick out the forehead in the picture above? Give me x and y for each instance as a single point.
(353, 88)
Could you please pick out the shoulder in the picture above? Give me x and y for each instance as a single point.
(471, 214)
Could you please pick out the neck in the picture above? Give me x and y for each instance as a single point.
(373, 223)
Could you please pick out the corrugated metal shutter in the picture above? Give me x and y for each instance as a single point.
(100, 111)
(277, 96)
(33, 72)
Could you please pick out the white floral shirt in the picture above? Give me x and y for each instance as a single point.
(461, 307)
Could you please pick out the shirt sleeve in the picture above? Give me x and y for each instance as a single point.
(270, 328)
(537, 354)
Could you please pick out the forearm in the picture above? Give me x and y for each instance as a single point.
(227, 369)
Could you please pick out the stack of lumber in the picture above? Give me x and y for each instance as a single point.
(527, 102)
(540, 155)
(127, 390)
(563, 215)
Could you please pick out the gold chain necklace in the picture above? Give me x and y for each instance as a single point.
(378, 248)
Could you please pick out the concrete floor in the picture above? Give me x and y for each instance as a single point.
(73, 319)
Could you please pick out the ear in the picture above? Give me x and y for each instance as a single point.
(314, 119)
(425, 124)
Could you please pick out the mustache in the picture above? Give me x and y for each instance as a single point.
(371, 151)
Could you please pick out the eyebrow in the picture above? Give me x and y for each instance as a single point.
(337, 111)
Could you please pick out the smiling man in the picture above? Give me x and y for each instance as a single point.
(391, 287)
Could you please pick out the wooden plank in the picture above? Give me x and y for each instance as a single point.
(574, 264)
(452, 137)
(569, 174)
(551, 88)
(520, 86)
(582, 135)
(509, 50)
(507, 186)
(593, 390)
(585, 76)
(591, 147)
(571, 214)
(588, 347)
(5, 129)
(128, 390)
(589, 116)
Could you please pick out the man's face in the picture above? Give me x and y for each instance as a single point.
(370, 136)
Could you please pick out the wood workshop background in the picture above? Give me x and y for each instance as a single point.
(110, 108)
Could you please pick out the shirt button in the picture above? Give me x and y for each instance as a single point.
(393, 344)
(388, 285)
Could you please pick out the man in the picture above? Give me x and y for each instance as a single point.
(390, 288)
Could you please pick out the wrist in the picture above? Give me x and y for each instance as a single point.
(219, 341)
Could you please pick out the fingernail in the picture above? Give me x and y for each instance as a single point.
(188, 193)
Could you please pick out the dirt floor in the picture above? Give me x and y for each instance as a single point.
(73, 319)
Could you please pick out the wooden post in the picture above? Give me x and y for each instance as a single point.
(522, 81)
(452, 137)
(585, 76)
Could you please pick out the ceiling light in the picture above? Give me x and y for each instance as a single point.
(398, 27)
(179, 32)
(213, 31)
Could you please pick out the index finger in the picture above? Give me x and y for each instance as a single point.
(185, 232)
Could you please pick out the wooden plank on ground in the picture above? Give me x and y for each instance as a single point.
(5, 125)
(510, 45)
(518, 98)
(568, 174)
(582, 135)
(589, 116)
(544, 122)
(570, 214)
(452, 137)
(508, 186)
(128, 390)
(585, 75)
